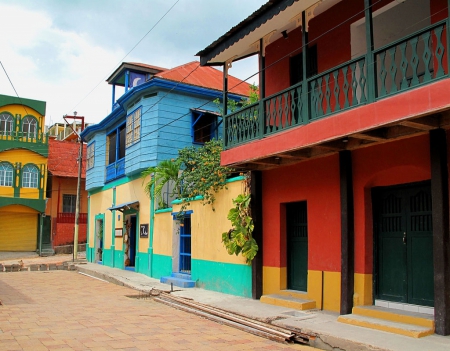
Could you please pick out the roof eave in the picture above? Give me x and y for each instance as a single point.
(256, 26)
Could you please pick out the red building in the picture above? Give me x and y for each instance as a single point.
(348, 152)
(62, 193)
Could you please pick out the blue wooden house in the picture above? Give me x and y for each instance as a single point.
(160, 111)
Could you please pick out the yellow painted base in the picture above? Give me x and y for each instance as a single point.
(386, 328)
(394, 317)
(294, 294)
(274, 279)
(363, 294)
(293, 303)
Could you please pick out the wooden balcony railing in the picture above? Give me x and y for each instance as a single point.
(415, 60)
(70, 218)
(25, 137)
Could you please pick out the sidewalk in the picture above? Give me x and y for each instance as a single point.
(330, 334)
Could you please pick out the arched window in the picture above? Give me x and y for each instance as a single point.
(6, 124)
(6, 174)
(29, 127)
(30, 175)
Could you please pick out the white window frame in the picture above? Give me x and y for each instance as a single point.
(6, 174)
(90, 157)
(6, 120)
(133, 127)
(32, 124)
(30, 177)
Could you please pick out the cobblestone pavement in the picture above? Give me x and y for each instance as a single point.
(64, 310)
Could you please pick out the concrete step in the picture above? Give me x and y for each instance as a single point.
(288, 301)
(406, 329)
(294, 293)
(394, 315)
(180, 282)
(181, 275)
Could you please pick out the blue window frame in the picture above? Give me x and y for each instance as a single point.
(204, 125)
(116, 153)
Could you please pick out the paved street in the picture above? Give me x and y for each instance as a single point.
(63, 310)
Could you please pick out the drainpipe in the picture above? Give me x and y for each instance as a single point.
(152, 223)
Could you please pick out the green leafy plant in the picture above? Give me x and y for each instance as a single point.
(233, 105)
(202, 173)
(239, 239)
(166, 171)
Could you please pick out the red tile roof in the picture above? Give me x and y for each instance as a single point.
(204, 76)
(62, 158)
(147, 66)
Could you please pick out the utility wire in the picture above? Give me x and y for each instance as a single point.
(14, 87)
(134, 47)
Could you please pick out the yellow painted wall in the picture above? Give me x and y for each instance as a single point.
(332, 291)
(24, 157)
(133, 191)
(163, 234)
(328, 286)
(274, 279)
(6, 191)
(99, 204)
(207, 226)
(20, 110)
(363, 294)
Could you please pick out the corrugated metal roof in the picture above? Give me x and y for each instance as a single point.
(62, 158)
(204, 76)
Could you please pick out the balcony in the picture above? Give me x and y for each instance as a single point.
(412, 62)
(37, 142)
(115, 170)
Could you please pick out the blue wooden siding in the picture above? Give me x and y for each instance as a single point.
(95, 177)
(165, 128)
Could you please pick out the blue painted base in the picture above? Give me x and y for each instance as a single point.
(130, 269)
(181, 280)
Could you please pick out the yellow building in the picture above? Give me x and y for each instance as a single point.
(23, 174)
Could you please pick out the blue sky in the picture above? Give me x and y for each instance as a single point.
(62, 51)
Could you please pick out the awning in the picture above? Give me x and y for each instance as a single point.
(125, 206)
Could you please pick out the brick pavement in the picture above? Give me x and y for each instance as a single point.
(64, 310)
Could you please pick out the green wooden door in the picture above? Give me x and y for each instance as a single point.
(297, 249)
(404, 244)
(46, 230)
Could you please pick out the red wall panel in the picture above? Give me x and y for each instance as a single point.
(317, 182)
(399, 162)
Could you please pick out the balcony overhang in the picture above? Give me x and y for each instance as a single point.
(242, 40)
(404, 115)
(131, 205)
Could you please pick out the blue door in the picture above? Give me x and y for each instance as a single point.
(185, 245)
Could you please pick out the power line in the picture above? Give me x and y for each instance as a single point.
(139, 41)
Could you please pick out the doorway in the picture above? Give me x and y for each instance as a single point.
(130, 241)
(98, 241)
(404, 244)
(297, 245)
(185, 245)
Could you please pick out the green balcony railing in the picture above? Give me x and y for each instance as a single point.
(414, 60)
(37, 142)
(405, 64)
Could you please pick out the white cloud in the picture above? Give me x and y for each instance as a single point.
(62, 52)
